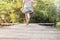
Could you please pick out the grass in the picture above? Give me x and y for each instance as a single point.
(58, 25)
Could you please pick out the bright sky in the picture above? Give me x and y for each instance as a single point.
(57, 3)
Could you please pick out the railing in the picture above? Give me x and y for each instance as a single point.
(24, 23)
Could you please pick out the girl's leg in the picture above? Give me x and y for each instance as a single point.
(27, 17)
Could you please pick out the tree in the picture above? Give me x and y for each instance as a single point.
(44, 11)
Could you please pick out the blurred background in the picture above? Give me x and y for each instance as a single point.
(45, 11)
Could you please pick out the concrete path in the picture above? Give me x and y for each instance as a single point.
(29, 32)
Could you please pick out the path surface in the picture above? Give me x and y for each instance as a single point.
(30, 32)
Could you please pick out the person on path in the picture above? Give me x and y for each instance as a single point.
(27, 9)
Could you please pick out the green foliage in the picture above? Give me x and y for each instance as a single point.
(44, 11)
(9, 7)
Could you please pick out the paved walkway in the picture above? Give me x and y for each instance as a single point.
(29, 32)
